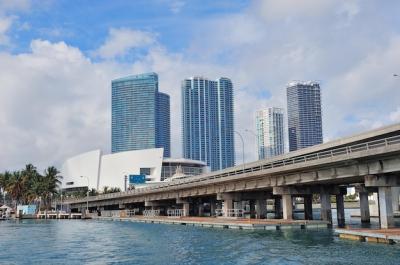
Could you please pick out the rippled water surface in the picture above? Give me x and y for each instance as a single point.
(107, 242)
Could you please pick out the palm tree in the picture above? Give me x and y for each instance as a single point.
(107, 189)
(27, 185)
(51, 181)
(31, 180)
(15, 186)
(93, 192)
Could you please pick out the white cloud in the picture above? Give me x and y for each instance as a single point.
(176, 6)
(58, 100)
(287, 9)
(395, 115)
(57, 104)
(14, 5)
(5, 24)
(121, 41)
(6, 20)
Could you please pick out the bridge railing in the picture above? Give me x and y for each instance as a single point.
(131, 212)
(238, 213)
(151, 213)
(176, 212)
(345, 150)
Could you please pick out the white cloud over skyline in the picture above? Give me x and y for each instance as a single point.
(56, 97)
(120, 41)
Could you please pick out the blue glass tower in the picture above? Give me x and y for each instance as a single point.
(304, 114)
(140, 114)
(207, 121)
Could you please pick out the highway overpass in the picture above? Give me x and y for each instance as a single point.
(369, 161)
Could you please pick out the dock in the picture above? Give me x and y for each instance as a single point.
(387, 236)
(58, 215)
(227, 223)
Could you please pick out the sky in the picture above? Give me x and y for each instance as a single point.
(57, 60)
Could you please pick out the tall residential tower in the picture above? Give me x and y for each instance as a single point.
(270, 132)
(140, 114)
(207, 121)
(304, 114)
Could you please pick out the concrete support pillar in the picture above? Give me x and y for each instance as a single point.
(340, 210)
(213, 206)
(252, 209)
(308, 212)
(364, 207)
(238, 205)
(186, 208)
(326, 210)
(385, 207)
(228, 204)
(287, 206)
(201, 209)
(395, 198)
(261, 209)
(278, 208)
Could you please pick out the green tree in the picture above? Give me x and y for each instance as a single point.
(49, 186)
(16, 186)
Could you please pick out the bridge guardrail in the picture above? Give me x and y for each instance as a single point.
(151, 213)
(176, 212)
(268, 165)
(238, 213)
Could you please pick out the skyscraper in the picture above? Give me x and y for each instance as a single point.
(207, 121)
(304, 114)
(270, 132)
(140, 114)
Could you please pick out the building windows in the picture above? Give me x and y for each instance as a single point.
(145, 171)
(140, 114)
(207, 121)
(304, 115)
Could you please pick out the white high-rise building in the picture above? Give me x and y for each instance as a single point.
(270, 132)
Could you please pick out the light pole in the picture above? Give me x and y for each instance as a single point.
(61, 196)
(256, 136)
(241, 138)
(87, 197)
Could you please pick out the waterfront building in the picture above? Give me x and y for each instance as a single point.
(304, 114)
(208, 121)
(270, 132)
(118, 169)
(140, 114)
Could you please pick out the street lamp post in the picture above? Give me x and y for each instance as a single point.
(256, 136)
(241, 138)
(87, 197)
(61, 197)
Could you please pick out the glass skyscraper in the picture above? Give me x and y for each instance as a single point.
(270, 132)
(207, 121)
(140, 114)
(304, 114)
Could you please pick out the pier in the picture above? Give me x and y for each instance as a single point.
(58, 215)
(226, 223)
(388, 236)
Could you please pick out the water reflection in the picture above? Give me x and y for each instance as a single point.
(105, 242)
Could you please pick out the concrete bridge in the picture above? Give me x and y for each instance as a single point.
(369, 161)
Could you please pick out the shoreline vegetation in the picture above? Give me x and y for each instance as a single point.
(28, 186)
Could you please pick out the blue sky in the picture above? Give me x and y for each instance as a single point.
(85, 24)
(57, 59)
